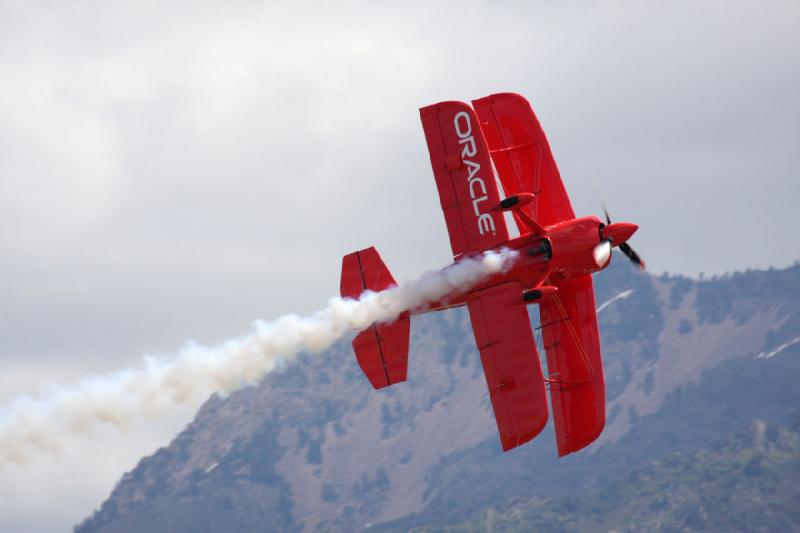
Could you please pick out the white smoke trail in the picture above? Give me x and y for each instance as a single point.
(42, 423)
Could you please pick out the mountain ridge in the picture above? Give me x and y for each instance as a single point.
(314, 447)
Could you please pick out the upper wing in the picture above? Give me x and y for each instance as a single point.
(508, 352)
(522, 157)
(464, 176)
(572, 342)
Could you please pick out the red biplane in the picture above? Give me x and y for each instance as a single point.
(557, 255)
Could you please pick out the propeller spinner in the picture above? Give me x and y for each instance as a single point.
(616, 234)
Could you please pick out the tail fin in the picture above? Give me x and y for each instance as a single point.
(381, 349)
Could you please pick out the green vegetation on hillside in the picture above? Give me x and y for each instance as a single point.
(751, 483)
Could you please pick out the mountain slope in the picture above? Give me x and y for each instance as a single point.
(314, 447)
(748, 483)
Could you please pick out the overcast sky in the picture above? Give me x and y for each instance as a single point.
(175, 171)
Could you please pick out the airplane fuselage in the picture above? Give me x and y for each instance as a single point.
(564, 250)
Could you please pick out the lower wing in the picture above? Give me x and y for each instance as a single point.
(502, 331)
(572, 342)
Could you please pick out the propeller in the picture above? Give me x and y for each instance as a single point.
(633, 256)
(603, 250)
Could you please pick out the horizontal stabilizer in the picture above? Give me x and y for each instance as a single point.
(382, 348)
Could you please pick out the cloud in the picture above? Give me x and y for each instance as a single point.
(175, 170)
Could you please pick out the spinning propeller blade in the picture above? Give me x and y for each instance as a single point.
(633, 256)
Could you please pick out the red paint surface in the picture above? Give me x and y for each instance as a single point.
(555, 256)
